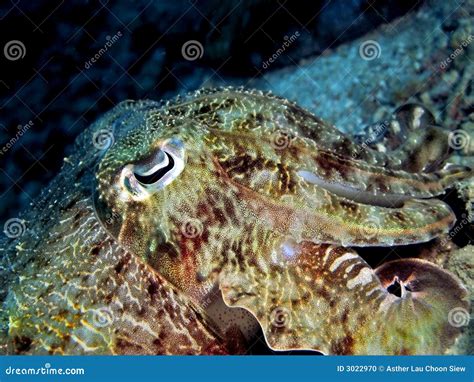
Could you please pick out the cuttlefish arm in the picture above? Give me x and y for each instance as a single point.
(336, 190)
(289, 204)
(323, 217)
(303, 159)
(403, 158)
(326, 298)
(374, 184)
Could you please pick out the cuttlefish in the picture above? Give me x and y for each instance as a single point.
(186, 227)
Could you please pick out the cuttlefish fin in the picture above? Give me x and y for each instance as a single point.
(327, 299)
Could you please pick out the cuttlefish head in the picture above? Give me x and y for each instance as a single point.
(156, 186)
(162, 194)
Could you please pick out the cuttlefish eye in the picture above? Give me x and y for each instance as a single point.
(152, 174)
(162, 166)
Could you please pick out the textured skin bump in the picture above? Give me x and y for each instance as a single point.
(248, 225)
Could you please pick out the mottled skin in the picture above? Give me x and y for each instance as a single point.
(261, 213)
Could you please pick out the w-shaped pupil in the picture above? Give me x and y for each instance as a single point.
(156, 176)
(396, 288)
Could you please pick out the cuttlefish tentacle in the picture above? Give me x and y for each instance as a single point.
(322, 212)
(379, 184)
(326, 298)
(323, 217)
(342, 175)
